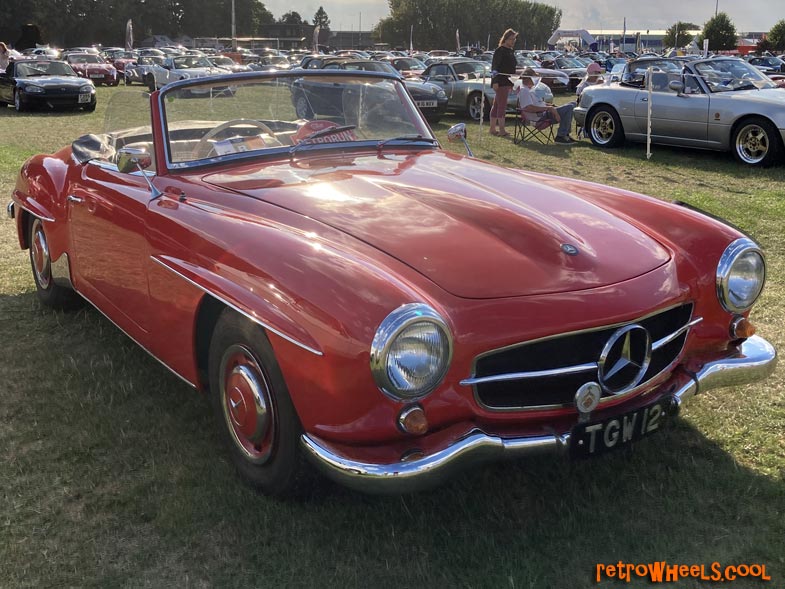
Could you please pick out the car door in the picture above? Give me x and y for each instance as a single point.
(107, 213)
(7, 85)
(677, 118)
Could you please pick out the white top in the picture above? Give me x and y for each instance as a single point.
(527, 96)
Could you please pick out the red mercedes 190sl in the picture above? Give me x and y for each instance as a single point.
(348, 292)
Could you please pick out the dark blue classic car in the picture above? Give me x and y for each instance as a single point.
(29, 83)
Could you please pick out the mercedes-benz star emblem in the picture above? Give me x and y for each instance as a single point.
(624, 359)
(569, 249)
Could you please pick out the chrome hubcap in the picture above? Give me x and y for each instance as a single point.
(246, 404)
(39, 254)
(752, 144)
(602, 127)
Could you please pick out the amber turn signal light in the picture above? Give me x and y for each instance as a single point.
(741, 328)
(412, 420)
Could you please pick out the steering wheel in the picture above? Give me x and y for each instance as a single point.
(203, 149)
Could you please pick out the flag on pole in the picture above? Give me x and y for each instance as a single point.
(316, 39)
(457, 41)
(129, 35)
(411, 40)
(624, 35)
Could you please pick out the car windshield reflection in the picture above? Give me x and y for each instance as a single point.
(232, 116)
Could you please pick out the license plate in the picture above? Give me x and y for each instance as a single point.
(84, 98)
(592, 439)
(97, 76)
(425, 103)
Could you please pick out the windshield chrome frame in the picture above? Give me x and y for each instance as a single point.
(283, 151)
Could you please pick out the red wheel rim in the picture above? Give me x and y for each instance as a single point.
(246, 402)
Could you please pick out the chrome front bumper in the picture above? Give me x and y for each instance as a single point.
(755, 360)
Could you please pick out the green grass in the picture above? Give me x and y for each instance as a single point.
(111, 474)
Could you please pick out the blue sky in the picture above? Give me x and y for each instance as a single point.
(749, 15)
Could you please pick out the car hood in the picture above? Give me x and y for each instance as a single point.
(47, 81)
(474, 229)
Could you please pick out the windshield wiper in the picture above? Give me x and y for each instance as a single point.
(308, 139)
(747, 86)
(408, 139)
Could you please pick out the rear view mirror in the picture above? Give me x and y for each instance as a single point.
(130, 159)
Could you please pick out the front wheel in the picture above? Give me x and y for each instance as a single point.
(755, 143)
(474, 106)
(302, 108)
(18, 104)
(604, 127)
(48, 292)
(149, 80)
(252, 405)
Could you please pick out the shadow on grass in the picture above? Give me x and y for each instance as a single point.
(113, 470)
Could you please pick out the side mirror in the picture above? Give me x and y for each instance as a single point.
(458, 133)
(676, 86)
(130, 159)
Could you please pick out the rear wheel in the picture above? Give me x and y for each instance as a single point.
(604, 127)
(475, 105)
(149, 80)
(253, 407)
(49, 293)
(756, 143)
(302, 108)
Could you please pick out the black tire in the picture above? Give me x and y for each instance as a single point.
(473, 107)
(756, 142)
(603, 126)
(433, 119)
(90, 107)
(48, 292)
(264, 445)
(149, 81)
(18, 104)
(302, 108)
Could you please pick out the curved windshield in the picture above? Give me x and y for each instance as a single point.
(408, 64)
(727, 75)
(31, 69)
(190, 61)
(286, 114)
(476, 68)
(84, 58)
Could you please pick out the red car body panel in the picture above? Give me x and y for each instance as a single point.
(159, 257)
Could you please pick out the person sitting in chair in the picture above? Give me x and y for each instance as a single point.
(534, 108)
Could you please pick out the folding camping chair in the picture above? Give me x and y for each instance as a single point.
(537, 128)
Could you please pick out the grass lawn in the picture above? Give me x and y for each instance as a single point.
(111, 474)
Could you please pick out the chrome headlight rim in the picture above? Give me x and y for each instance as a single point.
(391, 327)
(730, 256)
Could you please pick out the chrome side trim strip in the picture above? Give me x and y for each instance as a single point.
(161, 362)
(36, 215)
(754, 359)
(669, 338)
(236, 308)
(534, 374)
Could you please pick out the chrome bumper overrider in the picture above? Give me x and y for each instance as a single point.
(9, 209)
(755, 359)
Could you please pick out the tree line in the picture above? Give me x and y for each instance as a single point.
(67, 23)
(436, 21)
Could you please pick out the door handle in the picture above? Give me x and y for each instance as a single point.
(74, 199)
(644, 100)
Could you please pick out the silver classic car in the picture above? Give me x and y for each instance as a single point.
(462, 80)
(721, 104)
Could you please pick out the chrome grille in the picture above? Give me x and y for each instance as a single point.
(546, 373)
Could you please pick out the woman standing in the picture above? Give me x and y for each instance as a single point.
(502, 67)
(4, 56)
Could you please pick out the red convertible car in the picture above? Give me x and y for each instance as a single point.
(349, 293)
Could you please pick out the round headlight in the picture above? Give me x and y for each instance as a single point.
(33, 89)
(441, 93)
(741, 274)
(411, 352)
(86, 89)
